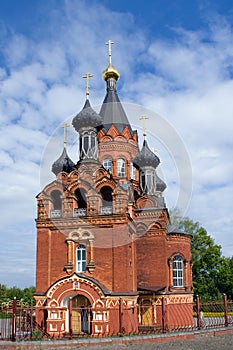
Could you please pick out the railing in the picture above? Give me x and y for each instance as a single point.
(56, 213)
(80, 212)
(18, 322)
(106, 210)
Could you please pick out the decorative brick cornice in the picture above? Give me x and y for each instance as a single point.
(118, 146)
(84, 221)
(150, 213)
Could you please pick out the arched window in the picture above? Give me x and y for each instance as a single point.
(88, 145)
(56, 199)
(120, 167)
(132, 171)
(81, 258)
(108, 164)
(80, 194)
(178, 277)
(147, 181)
(106, 193)
(56, 211)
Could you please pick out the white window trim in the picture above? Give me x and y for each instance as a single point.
(107, 163)
(80, 262)
(121, 167)
(178, 271)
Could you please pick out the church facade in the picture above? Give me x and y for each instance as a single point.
(105, 254)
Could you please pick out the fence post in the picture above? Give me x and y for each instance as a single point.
(13, 324)
(120, 318)
(31, 322)
(198, 312)
(163, 315)
(225, 310)
(70, 318)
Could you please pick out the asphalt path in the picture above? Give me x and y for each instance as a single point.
(203, 342)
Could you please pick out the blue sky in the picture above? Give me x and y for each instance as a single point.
(176, 64)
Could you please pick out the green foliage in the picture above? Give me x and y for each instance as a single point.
(37, 335)
(8, 294)
(212, 272)
(225, 278)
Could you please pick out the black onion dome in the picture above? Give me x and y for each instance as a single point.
(146, 157)
(63, 163)
(87, 117)
(160, 184)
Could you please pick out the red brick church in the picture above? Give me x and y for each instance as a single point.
(105, 254)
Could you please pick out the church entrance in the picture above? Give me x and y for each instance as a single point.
(81, 315)
(145, 313)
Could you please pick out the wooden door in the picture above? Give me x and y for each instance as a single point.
(81, 315)
(147, 315)
(76, 321)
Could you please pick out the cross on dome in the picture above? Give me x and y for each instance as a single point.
(65, 126)
(87, 76)
(110, 71)
(144, 119)
(109, 43)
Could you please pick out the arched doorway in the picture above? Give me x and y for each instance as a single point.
(81, 315)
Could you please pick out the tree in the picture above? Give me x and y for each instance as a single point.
(25, 295)
(212, 274)
(224, 280)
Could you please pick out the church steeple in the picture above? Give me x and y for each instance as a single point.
(112, 111)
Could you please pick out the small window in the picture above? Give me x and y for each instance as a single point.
(106, 193)
(99, 317)
(56, 210)
(178, 280)
(56, 199)
(81, 258)
(132, 171)
(120, 167)
(108, 164)
(80, 194)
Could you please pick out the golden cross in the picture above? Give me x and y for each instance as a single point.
(65, 126)
(87, 76)
(109, 43)
(144, 118)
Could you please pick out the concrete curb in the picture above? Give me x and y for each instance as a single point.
(88, 342)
